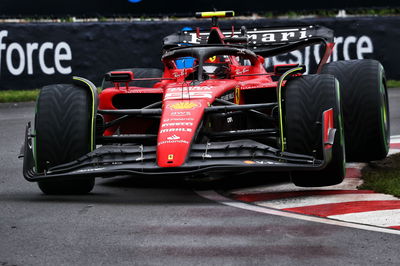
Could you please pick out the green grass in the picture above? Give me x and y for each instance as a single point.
(383, 176)
(9, 96)
(374, 12)
(393, 83)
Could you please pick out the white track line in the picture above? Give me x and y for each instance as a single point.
(305, 201)
(384, 218)
(214, 196)
(393, 151)
(347, 184)
(362, 220)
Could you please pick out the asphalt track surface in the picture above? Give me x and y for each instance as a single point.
(163, 221)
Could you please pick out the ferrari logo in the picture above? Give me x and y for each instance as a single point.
(237, 95)
(170, 156)
(183, 105)
(213, 58)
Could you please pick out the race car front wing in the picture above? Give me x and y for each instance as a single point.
(229, 156)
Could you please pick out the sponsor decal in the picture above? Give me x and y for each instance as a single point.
(180, 113)
(173, 142)
(178, 119)
(242, 71)
(177, 75)
(183, 105)
(146, 91)
(187, 95)
(177, 124)
(175, 130)
(192, 88)
(52, 58)
(173, 137)
(255, 86)
(264, 36)
(249, 162)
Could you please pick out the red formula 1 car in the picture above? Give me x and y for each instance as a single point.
(213, 109)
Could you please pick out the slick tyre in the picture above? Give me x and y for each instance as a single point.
(139, 73)
(365, 108)
(306, 98)
(62, 126)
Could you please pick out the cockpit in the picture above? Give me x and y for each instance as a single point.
(208, 61)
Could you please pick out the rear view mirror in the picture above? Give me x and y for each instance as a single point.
(119, 76)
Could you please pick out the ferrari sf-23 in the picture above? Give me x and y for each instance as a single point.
(214, 109)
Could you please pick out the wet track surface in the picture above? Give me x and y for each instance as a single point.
(162, 221)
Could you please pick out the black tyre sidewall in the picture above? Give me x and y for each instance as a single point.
(365, 108)
(62, 129)
(306, 99)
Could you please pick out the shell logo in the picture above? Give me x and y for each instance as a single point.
(183, 105)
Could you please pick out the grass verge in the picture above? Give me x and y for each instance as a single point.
(383, 176)
(10, 96)
(393, 83)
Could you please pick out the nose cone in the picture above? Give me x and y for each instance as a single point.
(178, 126)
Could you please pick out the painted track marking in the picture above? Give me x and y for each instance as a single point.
(382, 218)
(326, 210)
(342, 205)
(299, 202)
(214, 196)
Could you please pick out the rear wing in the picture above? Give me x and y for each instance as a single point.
(255, 38)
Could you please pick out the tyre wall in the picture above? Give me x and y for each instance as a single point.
(36, 54)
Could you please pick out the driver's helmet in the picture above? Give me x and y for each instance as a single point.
(185, 62)
(217, 66)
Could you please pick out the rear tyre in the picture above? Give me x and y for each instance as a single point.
(365, 108)
(62, 125)
(306, 99)
(139, 73)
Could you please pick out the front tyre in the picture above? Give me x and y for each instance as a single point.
(306, 99)
(62, 126)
